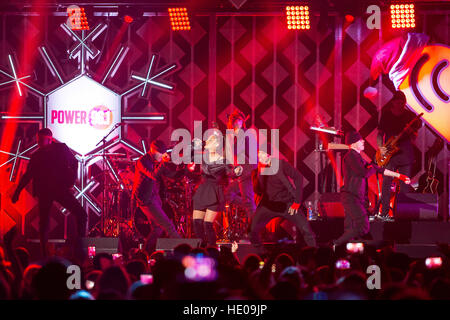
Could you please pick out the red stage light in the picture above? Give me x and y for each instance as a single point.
(297, 17)
(402, 16)
(77, 18)
(349, 18)
(179, 19)
(128, 19)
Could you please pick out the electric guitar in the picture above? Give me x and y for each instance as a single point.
(431, 181)
(391, 144)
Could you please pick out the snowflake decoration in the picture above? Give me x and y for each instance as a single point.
(84, 50)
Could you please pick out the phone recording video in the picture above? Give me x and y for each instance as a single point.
(116, 256)
(433, 262)
(90, 284)
(146, 278)
(355, 247)
(343, 264)
(91, 252)
(199, 268)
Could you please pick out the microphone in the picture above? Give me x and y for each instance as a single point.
(119, 124)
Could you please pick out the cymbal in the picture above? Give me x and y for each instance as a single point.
(126, 161)
(110, 154)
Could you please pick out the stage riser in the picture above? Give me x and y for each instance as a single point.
(102, 244)
(405, 235)
(407, 232)
(166, 244)
(417, 206)
(418, 251)
(412, 232)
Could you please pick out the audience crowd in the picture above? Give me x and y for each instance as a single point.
(282, 272)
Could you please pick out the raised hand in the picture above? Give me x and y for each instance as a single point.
(234, 247)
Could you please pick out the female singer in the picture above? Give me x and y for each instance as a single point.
(209, 198)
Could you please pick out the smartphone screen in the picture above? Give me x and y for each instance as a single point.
(146, 278)
(433, 262)
(355, 247)
(342, 264)
(89, 284)
(91, 252)
(116, 256)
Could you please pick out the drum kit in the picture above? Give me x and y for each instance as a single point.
(122, 218)
(233, 224)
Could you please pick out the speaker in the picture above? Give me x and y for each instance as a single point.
(330, 205)
(168, 244)
(102, 244)
(417, 206)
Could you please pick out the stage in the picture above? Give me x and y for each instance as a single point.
(418, 239)
(112, 111)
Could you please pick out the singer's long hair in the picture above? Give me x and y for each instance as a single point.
(235, 115)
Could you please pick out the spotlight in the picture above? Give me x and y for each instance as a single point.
(297, 17)
(179, 19)
(130, 14)
(128, 19)
(77, 18)
(349, 18)
(403, 16)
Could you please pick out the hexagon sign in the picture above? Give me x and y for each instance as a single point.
(81, 112)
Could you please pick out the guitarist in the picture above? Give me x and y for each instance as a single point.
(353, 193)
(393, 120)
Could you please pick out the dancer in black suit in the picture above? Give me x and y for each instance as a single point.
(53, 170)
(278, 198)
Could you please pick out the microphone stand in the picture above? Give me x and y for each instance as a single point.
(104, 206)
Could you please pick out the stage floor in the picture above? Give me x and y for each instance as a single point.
(399, 232)
(418, 239)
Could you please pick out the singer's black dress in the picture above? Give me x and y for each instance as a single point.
(210, 192)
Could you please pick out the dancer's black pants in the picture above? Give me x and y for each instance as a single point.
(266, 212)
(356, 222)
(66, 198)
(159, 221)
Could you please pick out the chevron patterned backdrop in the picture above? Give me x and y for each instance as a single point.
(282, 79)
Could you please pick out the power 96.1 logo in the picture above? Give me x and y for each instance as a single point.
(100, 117)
